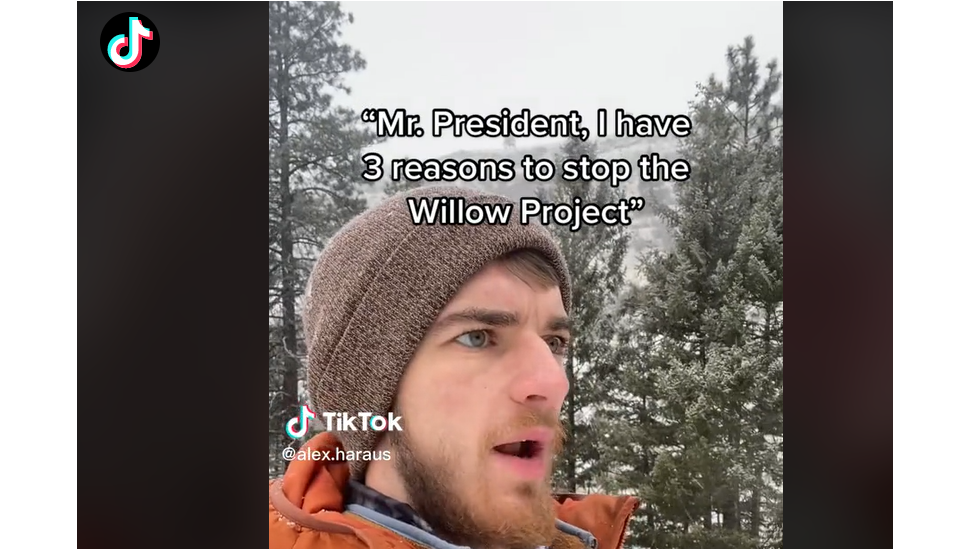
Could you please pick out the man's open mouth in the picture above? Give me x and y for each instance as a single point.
(529, 444)
(525, 449)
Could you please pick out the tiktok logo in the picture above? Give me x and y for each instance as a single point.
(298, 426)
(130, 42)
(134, 40)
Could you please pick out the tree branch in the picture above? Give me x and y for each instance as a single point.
(320, 190)
(316, 74)
(312, 162)
(290, 353)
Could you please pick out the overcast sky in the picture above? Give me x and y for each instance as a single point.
(551, 57)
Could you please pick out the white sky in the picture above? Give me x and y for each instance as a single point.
(551, 57)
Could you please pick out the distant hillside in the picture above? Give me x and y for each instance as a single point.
(646, 231)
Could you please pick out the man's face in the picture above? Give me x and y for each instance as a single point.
(488, 375)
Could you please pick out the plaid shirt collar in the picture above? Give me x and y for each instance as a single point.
(371, 499)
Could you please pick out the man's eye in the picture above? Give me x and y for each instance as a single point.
(477, 339)
(558, 345)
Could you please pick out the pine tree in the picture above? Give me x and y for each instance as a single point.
(758, 273)
(314, 184)
(594, 255)
(702, 357)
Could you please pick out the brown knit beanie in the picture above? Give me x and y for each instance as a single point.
(379, 285)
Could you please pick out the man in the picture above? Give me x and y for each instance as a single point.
(461, 331)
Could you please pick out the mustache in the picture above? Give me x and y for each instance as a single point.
(526, 420)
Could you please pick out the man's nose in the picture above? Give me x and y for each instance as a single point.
(541, 379)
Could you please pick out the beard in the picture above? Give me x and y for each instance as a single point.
(436, 482)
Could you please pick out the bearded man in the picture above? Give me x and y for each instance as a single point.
(460, 331)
